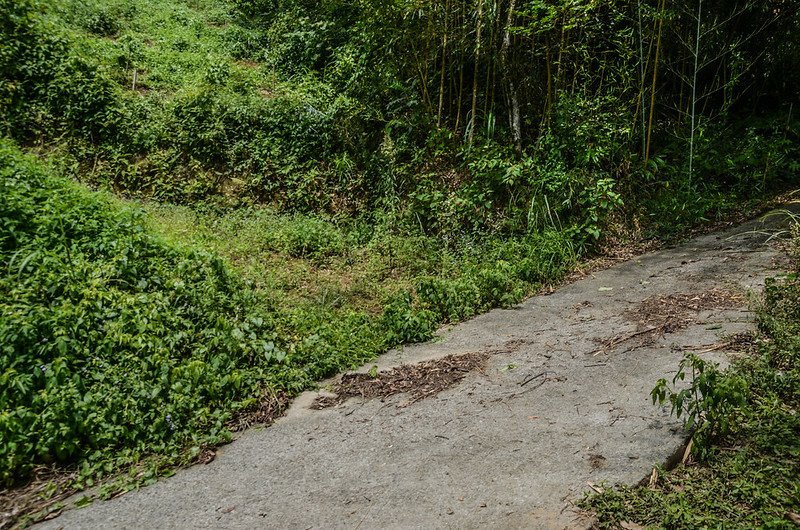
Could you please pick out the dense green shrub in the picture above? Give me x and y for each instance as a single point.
(29, 50)
(780, 320)
(404, 322)
(110, 339)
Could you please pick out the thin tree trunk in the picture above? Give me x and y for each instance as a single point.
(655, 79)
(444, 59)
(549, 104)
(423, 79)
(515, 120)
(460, 101)
(491, 65)
(561, 47)
(694, 88)
(473, 118)
(640, 101)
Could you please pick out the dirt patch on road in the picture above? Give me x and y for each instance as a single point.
(420, 381)
(744, 343)
(676, 311)
(659, 315)
(272, 406)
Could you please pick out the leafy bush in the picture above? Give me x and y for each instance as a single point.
(110, 339)
(711, 405)
(29, 49)
(780, 320)
(405, 323)
(495, 274)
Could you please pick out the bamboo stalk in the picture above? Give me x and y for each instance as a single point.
(655, 79)
(694, 88)
(490, 68)
(473, 117)
(515, 120)
(640, 99)
(444, 59)
(549, 107)
(459, 105)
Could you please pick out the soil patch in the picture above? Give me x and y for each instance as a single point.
(420, 381)
(743, 344)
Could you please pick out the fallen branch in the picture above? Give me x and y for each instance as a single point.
(529, 379)
(616, 341)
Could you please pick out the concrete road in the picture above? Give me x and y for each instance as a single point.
(490, 452)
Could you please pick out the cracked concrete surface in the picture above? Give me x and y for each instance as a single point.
(494, 451)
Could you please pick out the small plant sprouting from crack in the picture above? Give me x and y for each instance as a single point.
(711, 404)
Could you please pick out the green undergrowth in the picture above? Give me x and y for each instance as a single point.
(128, 333)
(115, 344)
(305, 260)
(170, 100)
(746, 424)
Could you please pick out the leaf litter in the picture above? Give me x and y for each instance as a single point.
(660, 315)
(419, 381)
(272, 406)
(40, 499)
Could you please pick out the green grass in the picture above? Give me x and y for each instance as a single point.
(401, 283)
(749, 476)
(171, 44)
(310, 259)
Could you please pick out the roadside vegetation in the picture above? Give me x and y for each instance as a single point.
(208, 205)
(115, 344)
